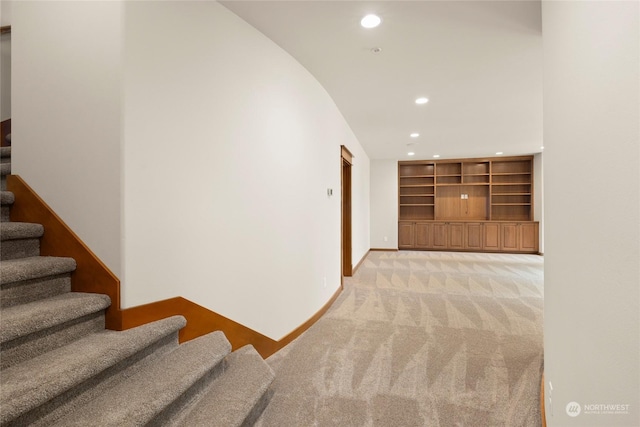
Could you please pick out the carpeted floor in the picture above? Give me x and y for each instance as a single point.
(420, 339)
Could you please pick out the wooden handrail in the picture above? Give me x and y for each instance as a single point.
(5, 29)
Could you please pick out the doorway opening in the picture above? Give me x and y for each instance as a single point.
(346, 161)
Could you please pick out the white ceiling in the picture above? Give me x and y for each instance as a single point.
(478, 62)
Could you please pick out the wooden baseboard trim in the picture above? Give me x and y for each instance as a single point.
(91, 274)
(201, 321)
(306, 325)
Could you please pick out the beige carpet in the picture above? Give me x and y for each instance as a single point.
(420, 339)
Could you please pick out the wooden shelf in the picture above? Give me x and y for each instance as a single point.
(511, 173)
(487, 189)
(510, 183)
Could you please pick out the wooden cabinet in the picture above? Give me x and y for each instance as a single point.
(406, 235)
(456, 235)
(529, 237)
(423, 234)
(440, 236)
(467, 204)
(481, 236)
(519, 237)
(491, 234)
(509, 237)
(473, 236)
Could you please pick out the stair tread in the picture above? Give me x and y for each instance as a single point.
(35, 316)
(38, 380)
(7, 198)
(146, 393)
(232, 396)
(5, 151)
(5, 168)
(34, 267)
(20, 230)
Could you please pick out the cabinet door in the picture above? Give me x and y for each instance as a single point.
(529, 237)
(510, 241)
(473, 236)
(423, 235)
(406, 234)
(456, 235)
(440, 235)
(491, 236)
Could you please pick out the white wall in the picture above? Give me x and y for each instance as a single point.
(384, 204)
(230, 146)
(5, 62)
(538, 202)
(66, 124)
(592, 210)
(194, 162)
(360, 204)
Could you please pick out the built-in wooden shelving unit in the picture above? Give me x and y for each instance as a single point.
(443, 204)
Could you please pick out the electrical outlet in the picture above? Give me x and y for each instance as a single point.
(386, 239)
(324, 281)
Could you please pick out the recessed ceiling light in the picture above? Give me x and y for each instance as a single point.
(376, 50)
(410, 153)
(421, 101)
(542, 148)
(370, 21)
(499, 153)
(414, 135)
(435, 156)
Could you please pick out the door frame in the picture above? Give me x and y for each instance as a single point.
(346, 163)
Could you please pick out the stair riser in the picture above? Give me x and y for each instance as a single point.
(47, 415)
(33, 345)
(174, 410)
(238, 398)
(26, 291)
(23, 248)
(5, 213)
(258, 408)
(3, 183)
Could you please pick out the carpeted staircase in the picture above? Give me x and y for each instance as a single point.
(59, 366)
